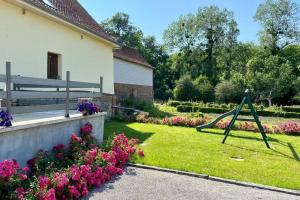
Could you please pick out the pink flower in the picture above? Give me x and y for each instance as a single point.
(85, 192)
(60, 180)
(25, 169)
(8, 168)
(75, 171)
(58, 147)
(50, 195)
(20, 193)
(73, 191)
(76, 138)
(23, 177)
(58, 155)
(87, 128)
(119, 171)
(43, 182)
(141, 153)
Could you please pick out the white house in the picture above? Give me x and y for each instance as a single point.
(46, 38)
(133, 75)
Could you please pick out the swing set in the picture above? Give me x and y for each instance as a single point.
(235, 113)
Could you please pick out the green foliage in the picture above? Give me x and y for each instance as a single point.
(227, 91)
(123, 30)
(279, 19)
(185, 89)
(205, 89)
(143, 106)
(204, 47)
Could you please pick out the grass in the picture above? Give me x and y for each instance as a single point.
(202, 152)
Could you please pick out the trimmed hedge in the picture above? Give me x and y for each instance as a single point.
(291, 109)
(264, 113)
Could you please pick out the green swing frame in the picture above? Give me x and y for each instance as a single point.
(235, 113)
(246, 100)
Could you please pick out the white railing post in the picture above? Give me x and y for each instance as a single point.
(8, 87)
(101, 86)
(68, 94)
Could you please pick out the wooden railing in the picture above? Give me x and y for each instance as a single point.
(28, 82)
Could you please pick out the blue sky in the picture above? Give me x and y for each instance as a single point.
(154, 16)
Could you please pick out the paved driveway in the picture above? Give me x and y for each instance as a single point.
(139, 184)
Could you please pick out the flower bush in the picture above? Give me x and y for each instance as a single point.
(88, 108)
(5, 119)
(171, 121)
(67, 173)
(289, 128)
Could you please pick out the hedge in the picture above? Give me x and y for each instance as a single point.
(291, 109)
(264, 113)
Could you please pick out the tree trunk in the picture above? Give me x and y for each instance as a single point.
(269, 101)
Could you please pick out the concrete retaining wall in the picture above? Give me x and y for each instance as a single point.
(22, 142)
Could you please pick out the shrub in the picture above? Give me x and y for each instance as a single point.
(143, 106)
(174, 103)
(185, 89)
(66, 173)
(291, 108)
(290, 127)
(205, 89)
(227, 92)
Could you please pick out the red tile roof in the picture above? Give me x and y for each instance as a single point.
(72, 12)
(131, 55)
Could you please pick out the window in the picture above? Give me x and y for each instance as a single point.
(52, 66)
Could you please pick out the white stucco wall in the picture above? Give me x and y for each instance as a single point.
(130, 73)
(25, 41)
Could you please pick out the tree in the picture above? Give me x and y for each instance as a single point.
(226, 91)
(269, 77)
(280, 21)
(119, 27)
(205, 33)
(185, 89)
(205, 89)
(218, 30)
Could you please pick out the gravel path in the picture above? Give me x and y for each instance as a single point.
(139, 184)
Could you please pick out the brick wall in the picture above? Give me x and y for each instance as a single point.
(141, 92)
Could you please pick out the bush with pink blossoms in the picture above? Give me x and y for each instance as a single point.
(171, 121)
(291, 128)
(67, 173)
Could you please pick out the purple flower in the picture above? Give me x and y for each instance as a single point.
(5, 119)
(88, 108)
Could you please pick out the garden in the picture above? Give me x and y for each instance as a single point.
(244, 157)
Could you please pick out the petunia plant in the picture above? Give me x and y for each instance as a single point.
(5, 119)
(88, 108)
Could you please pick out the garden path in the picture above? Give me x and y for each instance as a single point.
(139, 184)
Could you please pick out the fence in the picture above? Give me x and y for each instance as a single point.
(28, 82)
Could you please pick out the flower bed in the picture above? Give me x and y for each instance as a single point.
(67, 173)
(172, 121)
(289, 128)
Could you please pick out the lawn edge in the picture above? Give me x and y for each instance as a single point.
(218, 179)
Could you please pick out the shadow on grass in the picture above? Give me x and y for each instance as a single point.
(235, 136)
(289, 145)
(121, 127)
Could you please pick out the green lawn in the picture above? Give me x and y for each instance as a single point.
(202, 152)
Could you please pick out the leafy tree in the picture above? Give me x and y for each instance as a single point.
(280, 21)
(119, 27)
(185, 89)
(218, 29)
(269, 78)
(205, 89)
(204, 33)
(226, 91)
